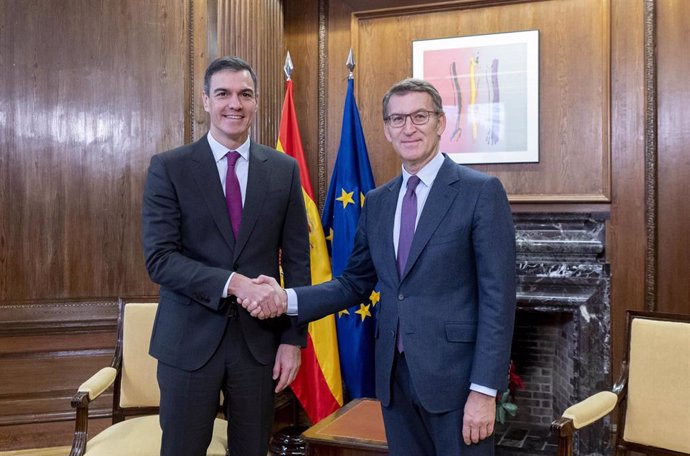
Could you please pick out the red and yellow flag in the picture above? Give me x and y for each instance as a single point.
(318, 385)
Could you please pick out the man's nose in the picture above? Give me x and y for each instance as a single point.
(408, 127)
(234, 101)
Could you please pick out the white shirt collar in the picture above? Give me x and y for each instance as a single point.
(219, 150)
(428, 173)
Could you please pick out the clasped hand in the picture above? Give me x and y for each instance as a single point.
(262, 297)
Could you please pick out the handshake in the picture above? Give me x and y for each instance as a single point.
(262, 297)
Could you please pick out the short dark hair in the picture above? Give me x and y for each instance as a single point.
(413, 85)
(228, 63)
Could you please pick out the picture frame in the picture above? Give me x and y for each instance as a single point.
(489, 85)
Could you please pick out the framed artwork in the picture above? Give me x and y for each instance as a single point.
(490, 90)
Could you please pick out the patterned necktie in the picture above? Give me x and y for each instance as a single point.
(233, 195)
(408, 217)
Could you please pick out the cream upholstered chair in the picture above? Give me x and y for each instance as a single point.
(651, 395)
(133, 373)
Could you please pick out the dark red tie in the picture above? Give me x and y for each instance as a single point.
(233, 195)
(408, 218)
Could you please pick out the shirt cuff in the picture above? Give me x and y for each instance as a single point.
(483, 390)
(227, 285)
(292, 302)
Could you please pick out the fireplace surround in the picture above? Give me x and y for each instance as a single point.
(561, 345)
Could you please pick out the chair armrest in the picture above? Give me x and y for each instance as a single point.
(87, 392)
(99, 382)
(591, 409)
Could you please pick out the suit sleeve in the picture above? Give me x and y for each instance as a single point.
(493, 238)
(162, 242)
(295, 254)
(352, 287)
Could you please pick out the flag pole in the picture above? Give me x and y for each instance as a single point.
(350, 64)
(287, 68)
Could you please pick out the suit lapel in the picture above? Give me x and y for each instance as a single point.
(205, 174)
(438, 202)
(257, 183)
(387, 208)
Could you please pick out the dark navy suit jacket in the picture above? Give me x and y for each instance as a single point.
(456, 299)
(190, 249)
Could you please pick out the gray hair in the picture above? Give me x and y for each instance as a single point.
(413, 85)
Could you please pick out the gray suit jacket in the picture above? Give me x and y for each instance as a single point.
(456, 299)
(190, 249)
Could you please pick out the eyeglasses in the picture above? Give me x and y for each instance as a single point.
(418, 118)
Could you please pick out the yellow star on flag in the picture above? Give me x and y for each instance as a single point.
(346, 198)
(330, 235)
(361, 199)
(375, 297)
(343, 312)
(363, 311)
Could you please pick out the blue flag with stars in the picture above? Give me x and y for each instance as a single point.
(352, 179)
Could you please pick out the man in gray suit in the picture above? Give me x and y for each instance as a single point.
(440, 240)
(215, 213)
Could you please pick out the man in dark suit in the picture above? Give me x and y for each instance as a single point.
(216, 212)
(440, 240)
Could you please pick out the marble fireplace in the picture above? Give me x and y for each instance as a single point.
(561, 346)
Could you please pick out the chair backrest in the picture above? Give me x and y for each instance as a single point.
(139, 386)
(657, 412)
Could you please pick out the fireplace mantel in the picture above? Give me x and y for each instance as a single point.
(563, 321)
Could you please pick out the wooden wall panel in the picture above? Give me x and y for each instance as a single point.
(86, 100)
(253, 30)
(47, 349)
(301, 39)
(339, 44)
(626, 231)
(574, 87)
(88, 92)
(673, 281)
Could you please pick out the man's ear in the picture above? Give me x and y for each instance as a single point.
(387, 133)
(204, 99)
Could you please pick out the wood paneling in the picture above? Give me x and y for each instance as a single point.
(301, 39)
(626, 231)
(253, 30)
(47, 349)
(574, 88)
(89, 91)
(673, 281)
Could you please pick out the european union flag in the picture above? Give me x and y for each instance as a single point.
(351, 180)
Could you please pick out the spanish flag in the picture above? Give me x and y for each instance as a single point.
(318, 385)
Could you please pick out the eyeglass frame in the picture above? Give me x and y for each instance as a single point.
(387, 119)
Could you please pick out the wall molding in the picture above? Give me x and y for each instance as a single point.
(322, 103)
(43, 317)
(650, 154)
(437, 7)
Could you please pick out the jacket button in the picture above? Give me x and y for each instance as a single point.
(401, 297)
